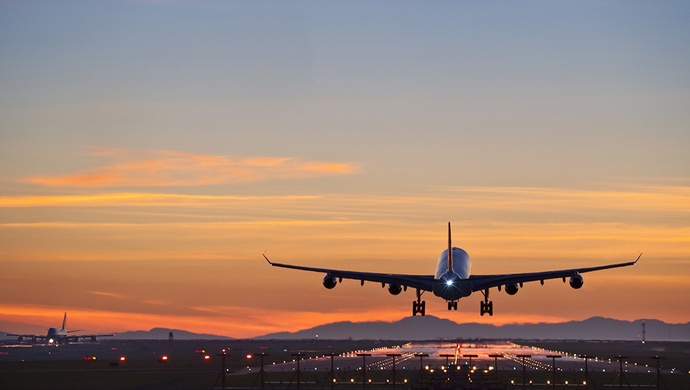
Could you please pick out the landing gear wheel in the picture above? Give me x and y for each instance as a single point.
(455, 305)
(487, 306)
(419, 306)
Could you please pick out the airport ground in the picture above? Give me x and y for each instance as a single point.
(198, 364)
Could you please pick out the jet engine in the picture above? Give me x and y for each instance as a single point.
(576, 281)
(329, 281)
(394, 289)
(512, 288)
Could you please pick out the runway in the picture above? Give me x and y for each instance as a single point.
(501, 355)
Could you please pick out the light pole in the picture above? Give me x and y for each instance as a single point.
(447, 356)
(393, 355)
(620, 359)
(496, 356)
(553, 366)
(261, 373)
(364, 368)
(658, 371)
(299, 376)
(588, 380)
(421, 363)
(223, 354)
(524, 369)
(332, 375)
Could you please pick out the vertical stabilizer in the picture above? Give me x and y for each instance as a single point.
(450, 251)
(64, 321)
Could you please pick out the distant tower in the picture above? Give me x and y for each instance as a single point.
(644, 331)
(170, 336)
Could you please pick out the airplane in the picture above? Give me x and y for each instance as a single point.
(57, 336)
(452, 280)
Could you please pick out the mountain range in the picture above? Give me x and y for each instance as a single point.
(430, 327)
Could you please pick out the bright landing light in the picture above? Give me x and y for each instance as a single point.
(449, 283)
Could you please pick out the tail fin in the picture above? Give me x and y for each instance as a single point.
(64, 321)
(450, 251)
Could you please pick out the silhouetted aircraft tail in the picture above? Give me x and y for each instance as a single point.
(450, 251)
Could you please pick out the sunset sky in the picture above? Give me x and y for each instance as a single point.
(152, 151)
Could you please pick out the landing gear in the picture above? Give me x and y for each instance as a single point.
(487, 306)
(452, 305)
(419, 306)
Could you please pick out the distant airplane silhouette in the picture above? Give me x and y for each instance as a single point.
(452, 280)
(57, 336)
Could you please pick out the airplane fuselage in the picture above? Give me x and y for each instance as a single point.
(55, 335)
(452, 280)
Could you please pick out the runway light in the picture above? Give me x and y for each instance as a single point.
(207, 357)
(122, 358)
(249, 356)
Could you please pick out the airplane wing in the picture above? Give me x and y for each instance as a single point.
(482, 282)
(33, 337)
(421, 282)
(91, 337)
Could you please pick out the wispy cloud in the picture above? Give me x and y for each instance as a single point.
(157, 168)
(138, 199)
(107, 294)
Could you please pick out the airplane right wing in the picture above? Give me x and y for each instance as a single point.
(421, 282)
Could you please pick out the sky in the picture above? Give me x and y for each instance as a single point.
(152, 151)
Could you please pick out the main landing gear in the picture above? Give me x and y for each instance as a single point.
(452, 305)
(419, 306)
(485, 307)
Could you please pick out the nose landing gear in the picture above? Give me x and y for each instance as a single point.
(452, 305)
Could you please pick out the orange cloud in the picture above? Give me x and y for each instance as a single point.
(156, 168)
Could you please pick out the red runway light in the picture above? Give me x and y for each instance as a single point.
(249, 356)
(207, 357)
(122, 358)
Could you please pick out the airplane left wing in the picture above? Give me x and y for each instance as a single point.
(483, 282)
(33, 337)
(421, 282)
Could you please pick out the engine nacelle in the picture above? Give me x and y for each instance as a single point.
(512, 288)
(576, 281)
(394, 289)
(329, 281)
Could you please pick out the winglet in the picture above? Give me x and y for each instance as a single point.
(64, 321)
(638, 258)
(265, 257)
